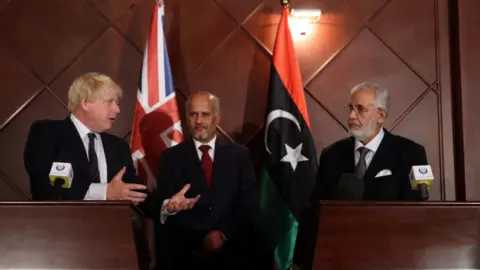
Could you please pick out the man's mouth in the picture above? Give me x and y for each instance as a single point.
(354, 125)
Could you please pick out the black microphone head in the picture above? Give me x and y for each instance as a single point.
(350, 188)
(59, 181)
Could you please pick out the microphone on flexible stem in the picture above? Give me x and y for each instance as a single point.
(350, 188)
(57, 188)
(61, 176)
(423, 191)
(421, 179)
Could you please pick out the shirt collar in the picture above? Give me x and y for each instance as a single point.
(211, 143)
(373, 144)
(81, 128)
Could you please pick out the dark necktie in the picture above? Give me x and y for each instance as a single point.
(92, 159)
(206, 163)
(362, 164)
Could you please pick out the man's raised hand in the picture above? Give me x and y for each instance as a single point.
(118, 190)
(178, 202)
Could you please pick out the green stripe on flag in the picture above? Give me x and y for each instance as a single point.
(277, 222)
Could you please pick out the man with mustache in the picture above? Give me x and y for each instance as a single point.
(212, 234)
(378, 158)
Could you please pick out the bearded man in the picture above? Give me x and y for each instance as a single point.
(380, 160)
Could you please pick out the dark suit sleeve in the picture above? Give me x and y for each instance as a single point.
(166, 179)
(415, 156)
(165, 187)
(149, 206)
(38, 156)
(130, 175)
(236, 227)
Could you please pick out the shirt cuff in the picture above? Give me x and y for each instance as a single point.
(97, 192)
(164, 212)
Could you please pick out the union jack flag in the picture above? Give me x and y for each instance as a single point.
(156, 123)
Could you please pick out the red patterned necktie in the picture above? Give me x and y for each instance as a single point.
(206, 163)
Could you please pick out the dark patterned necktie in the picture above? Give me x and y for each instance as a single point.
(92, 159)
(361, 167)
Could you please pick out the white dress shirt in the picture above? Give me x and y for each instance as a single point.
(164, 213)
(96, 191)
(372, 146)
(211, 151)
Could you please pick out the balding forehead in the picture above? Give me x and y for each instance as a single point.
(366, 92)
(214, 101)
(202, 93)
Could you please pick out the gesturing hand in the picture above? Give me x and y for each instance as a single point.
(118, 190)
(178, 202)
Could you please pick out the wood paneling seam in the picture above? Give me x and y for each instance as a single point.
(13, 186)
(410, 108)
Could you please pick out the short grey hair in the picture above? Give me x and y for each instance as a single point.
(382, 99)
(213, 98)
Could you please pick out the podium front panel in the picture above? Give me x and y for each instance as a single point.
(398, 236)
(66, 235)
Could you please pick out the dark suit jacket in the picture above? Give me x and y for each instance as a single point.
(395, 153)
(229, 205)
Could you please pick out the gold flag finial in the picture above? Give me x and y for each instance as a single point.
(285, 2)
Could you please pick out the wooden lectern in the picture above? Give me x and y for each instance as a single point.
(430, 235)
(67, 235)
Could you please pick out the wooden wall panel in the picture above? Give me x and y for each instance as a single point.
(468, 13)
(224, 46)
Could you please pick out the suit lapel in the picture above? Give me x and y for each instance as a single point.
(219, 164)
(349, 151)
(75, 144)
(110, 157)
(380, 159)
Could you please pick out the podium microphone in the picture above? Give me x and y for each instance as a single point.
(350, 188)
(61, 176)
(421, 178)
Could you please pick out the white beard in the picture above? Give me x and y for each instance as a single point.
(365, 132)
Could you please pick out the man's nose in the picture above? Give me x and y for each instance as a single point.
(352, 114)
(198, 119)
(116, 108)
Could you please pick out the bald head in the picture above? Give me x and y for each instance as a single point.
(215, 101)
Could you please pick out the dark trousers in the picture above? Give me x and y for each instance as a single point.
(225, 258)
(229, 257)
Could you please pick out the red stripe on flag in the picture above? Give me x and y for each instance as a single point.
(286, 64)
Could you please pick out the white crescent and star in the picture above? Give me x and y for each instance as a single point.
(293, 156)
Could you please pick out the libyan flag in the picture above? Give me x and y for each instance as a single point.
(290, 162)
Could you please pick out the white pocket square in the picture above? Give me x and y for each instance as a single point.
(383, 173)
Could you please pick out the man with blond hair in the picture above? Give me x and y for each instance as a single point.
(102, 163)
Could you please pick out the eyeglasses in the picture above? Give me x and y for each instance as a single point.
(358, 108)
